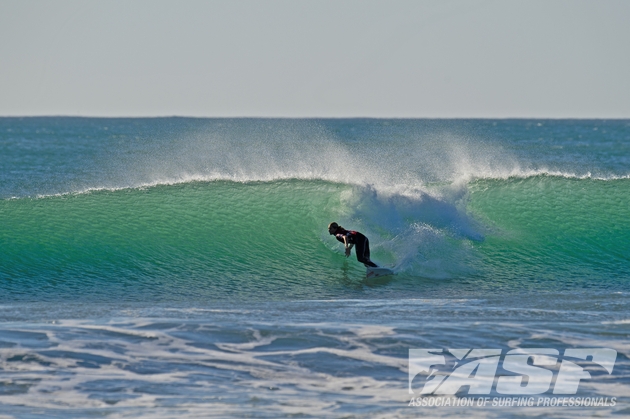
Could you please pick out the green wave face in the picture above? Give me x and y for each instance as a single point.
(554, 229)
(209, 238)
(223, 240)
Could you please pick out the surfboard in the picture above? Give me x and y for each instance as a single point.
(376, 272)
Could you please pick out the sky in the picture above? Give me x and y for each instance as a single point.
(292, 58)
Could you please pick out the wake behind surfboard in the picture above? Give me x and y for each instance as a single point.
(378, 272)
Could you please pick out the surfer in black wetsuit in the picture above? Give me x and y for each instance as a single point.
(352, 238)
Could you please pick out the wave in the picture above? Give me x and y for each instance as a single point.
(213, 239)
(418, 189)
(219, 209)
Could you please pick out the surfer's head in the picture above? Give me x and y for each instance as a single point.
(332, 228)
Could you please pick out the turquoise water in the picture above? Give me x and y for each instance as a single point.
(204, 242)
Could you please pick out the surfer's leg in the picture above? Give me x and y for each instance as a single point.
(363, 253)
(366, 255)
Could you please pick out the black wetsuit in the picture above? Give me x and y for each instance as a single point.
(361, 243)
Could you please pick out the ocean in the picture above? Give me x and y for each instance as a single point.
(181, 267)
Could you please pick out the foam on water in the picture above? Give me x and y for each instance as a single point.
(278, 359)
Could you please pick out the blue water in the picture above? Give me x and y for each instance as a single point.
(181, 267)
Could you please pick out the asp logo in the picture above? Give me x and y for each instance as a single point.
(527, 371)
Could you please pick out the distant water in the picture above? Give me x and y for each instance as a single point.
(177, 267)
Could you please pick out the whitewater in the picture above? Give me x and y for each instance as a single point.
(171, 267)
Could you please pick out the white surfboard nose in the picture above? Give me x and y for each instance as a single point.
(376, 272)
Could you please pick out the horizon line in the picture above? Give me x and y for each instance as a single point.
(317, 117)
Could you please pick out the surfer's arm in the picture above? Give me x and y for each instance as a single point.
(348, 246)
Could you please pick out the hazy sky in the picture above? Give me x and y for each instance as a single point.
(473, 58)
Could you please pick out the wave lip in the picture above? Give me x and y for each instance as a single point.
(414, 189)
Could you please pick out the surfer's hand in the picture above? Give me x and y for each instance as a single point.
(347, 252)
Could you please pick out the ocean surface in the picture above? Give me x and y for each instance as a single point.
(181, 267)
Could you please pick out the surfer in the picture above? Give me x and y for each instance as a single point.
(351, 238)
